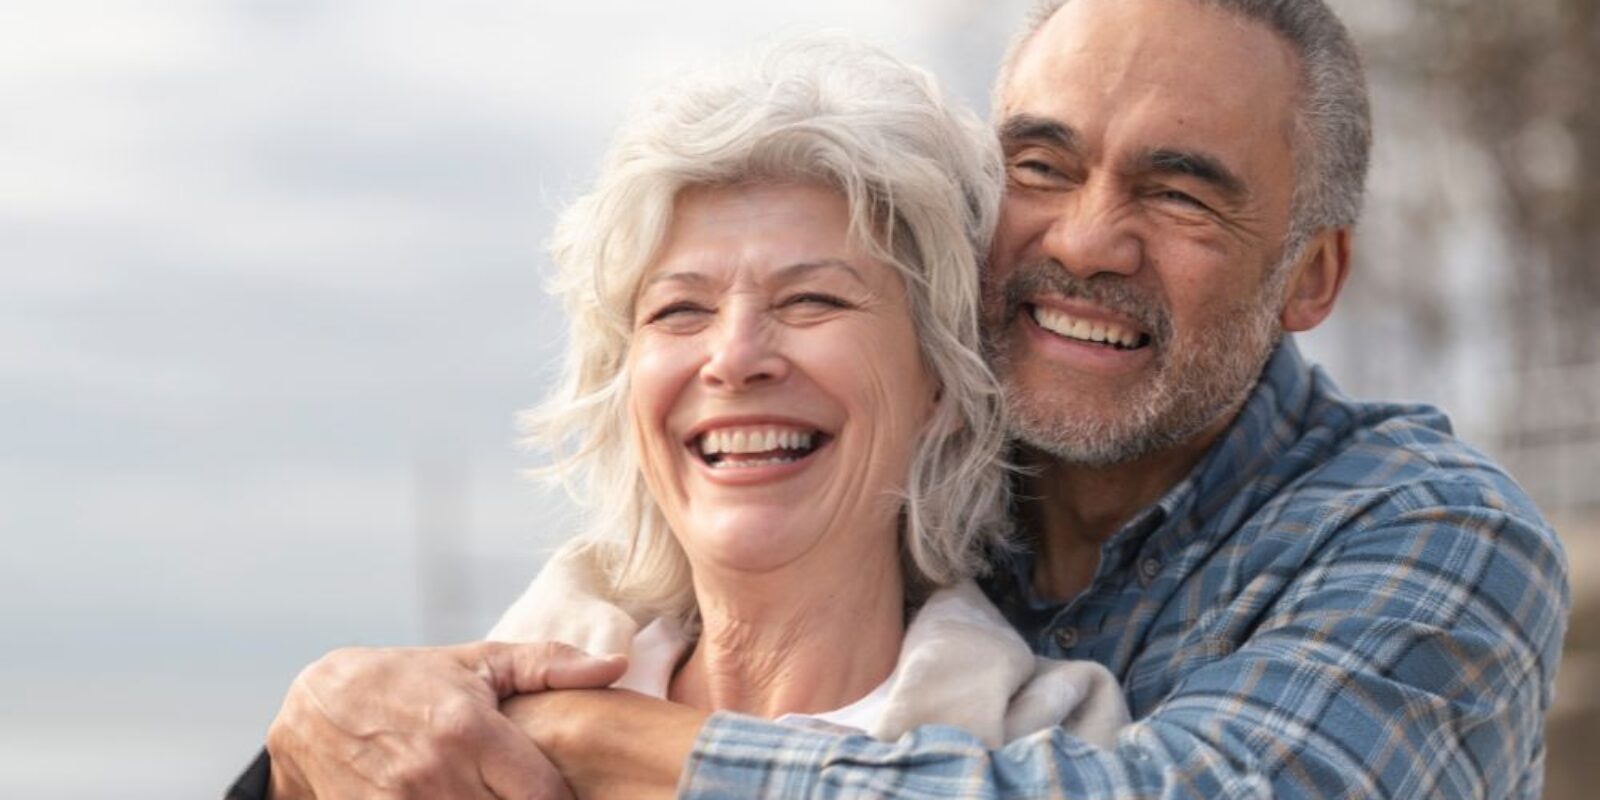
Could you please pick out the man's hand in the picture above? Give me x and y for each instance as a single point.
(422, 722)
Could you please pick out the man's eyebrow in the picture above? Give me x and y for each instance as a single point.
(1204, 167)
(1032, 128)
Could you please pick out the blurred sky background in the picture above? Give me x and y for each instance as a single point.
(270, 297)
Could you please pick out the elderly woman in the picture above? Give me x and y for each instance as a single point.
(775, 393)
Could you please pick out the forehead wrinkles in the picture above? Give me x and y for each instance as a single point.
(1190, 62)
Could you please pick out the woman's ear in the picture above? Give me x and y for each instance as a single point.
(1317, 280)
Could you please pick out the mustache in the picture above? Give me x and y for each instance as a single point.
(1110, 291)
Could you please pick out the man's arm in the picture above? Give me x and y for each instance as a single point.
(394, 722)
(610, 743)
(1414, 659)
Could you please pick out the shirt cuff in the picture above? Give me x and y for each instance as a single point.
(737, 757)
(256, 780)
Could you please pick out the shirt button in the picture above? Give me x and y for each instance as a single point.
(1148, 570)
(1067, 638)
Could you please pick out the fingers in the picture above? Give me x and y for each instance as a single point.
(423, 722)
(390, 723)
(513, 768)
(525, 668)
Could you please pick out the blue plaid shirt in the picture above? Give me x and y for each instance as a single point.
(1341, 600)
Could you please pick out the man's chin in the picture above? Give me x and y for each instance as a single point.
(1082, 452)
(1085, 441)
(1103, 441)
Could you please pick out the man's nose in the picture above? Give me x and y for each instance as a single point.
(743, 352)
(1092, 233)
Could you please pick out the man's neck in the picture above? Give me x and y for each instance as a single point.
(1072, 509)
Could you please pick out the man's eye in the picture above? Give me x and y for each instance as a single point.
(1181, 198)
(1034, 172)
(1034, 168)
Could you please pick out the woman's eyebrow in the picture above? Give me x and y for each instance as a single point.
(785, 274)
(802, 269)
(689, 277)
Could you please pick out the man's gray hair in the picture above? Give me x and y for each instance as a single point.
(1333, 120)
(922, 180)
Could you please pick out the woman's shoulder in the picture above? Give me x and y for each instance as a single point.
(962, 664)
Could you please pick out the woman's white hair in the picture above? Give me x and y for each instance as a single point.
(922, 180)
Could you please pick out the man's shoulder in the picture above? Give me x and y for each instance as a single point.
(1305, 460)
(1389, 473)
(1402, 458)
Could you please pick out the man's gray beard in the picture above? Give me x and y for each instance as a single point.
(1198, 379)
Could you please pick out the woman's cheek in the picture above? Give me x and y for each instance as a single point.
(648, 403)
(658, 372)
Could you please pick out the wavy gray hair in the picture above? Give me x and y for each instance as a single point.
(1333, 120)
(922, 180)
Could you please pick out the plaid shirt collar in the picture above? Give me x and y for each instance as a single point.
(1233, 478)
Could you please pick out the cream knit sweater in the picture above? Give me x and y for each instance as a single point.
(960, 664)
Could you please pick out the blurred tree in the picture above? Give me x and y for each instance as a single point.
(1519, 82)
(1481, 255)
(1525, 75)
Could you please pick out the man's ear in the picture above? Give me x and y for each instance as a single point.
(1316, 281)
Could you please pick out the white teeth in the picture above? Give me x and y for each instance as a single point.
(759, 462)
(754, 440)
(1071, 327)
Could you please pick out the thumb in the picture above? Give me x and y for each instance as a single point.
(526, 668)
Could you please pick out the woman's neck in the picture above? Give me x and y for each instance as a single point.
(794, 644)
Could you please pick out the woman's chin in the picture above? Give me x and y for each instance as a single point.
(754, 546)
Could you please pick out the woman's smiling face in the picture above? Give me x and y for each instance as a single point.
(777, 391)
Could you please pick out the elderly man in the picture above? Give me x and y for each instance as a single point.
(1303, 595)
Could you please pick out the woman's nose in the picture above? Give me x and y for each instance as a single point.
(743, 354)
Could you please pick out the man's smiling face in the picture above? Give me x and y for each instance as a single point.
(1131, 299)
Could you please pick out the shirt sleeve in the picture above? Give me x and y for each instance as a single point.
(1412, 658)
(255, 782)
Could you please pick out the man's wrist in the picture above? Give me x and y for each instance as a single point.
(609, 742)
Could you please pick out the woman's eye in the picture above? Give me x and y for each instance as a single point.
(676, 310)
(815, 298)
